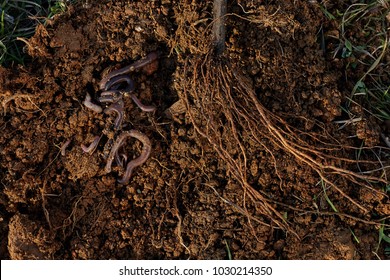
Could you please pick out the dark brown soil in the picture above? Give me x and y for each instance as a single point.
(186, 201)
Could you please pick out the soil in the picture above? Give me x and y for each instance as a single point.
(185, 202)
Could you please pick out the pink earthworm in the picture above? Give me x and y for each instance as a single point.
(118, 156)
(92, 147)
(115, 81)
(127, 69)
(146, 149)
(94, 107)
(143, 107)
(112, 93)
(64, 146)
(118, 160)
(118, 108)
(110, 96)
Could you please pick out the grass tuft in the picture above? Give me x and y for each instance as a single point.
(364, 44)
(18, 19)
(229, 254)
(323, 184)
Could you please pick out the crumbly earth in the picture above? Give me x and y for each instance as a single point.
(183, 202)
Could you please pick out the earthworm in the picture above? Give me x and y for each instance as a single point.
(146, 149)
(115, 81)
(127, 69)
(118, 108)
(114, 150)
(64, 146)
(94, 107)
(143, 107)
(112, 93)
(118, 160)
(110, 96)
(92, 147)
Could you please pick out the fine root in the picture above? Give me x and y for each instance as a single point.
(224, 108)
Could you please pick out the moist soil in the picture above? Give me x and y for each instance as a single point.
(57, 202)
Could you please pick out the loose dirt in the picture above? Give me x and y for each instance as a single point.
(188, 201)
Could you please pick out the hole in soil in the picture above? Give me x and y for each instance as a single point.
(90, 89)
(279, 234)
(23, 208)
